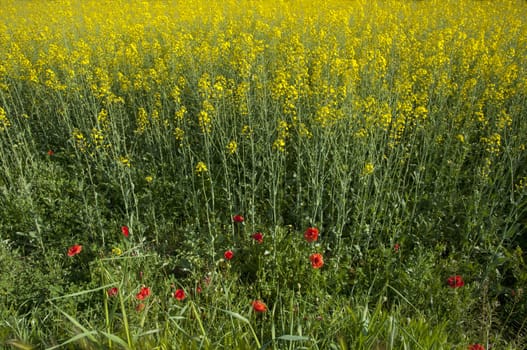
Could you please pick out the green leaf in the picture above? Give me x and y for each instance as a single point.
(75, 338)
(288, 337)
(83, 292)
(85, 332)
(19, 345)
(116, 339)
(236, 315)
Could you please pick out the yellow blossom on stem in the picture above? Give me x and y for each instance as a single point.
(232, 147)
(201, 168)
(117, 251)
(125, 161)
(368, 169)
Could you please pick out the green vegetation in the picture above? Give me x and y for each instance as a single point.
(263, 175)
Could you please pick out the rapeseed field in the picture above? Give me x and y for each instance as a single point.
(254, 174)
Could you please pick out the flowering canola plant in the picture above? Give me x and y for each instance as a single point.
(369, 63)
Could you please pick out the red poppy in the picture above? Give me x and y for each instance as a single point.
(311, 234)
(229, 254)
(143, 293)
(455, 281)
(112, 292)
(179, 294)
(258, 237)
(238, 218)
(50, 152)
(139, 307)
(317, 261)
(396, 247)
(74, 250)
(476, 347)
(259, 306)
(125, 231)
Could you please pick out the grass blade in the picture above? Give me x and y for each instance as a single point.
(75, 338)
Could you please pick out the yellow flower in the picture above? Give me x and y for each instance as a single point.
(149, 178)
(124, 161)
(97, 137)
(304, 131)
(247, 130)
(521, 185)
(204, 121)
(180, 113)
(492, 144)
(201, 168)
(179, 134)
(117, 251)
(361, 133)
(232, 147)
(4, 122)
(142, 121)
(279, 144)
(80, 140)
(102, 119)
(368, 169)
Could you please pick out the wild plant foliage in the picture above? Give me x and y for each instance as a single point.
(327, 174)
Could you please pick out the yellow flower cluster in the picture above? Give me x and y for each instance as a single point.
(80, 141)
(232, 147)
(392, 67)
(4, 122)
(201, 168)
(125, 161)
(98, 135)
(492, 143)
(117, 251)
(283, 133)
(368, 169)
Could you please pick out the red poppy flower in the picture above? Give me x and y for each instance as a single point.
(396, 247)
(259, 306)
(125, 231)
(258, 237)
(74, 250)
(139, 307)
(143, 293)
(50, 152)
(317, 261)
(112, 292)
(179, 294)
(455, 281)
(238, 218)
(311, 234)
(228, 254)
(476, 347)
